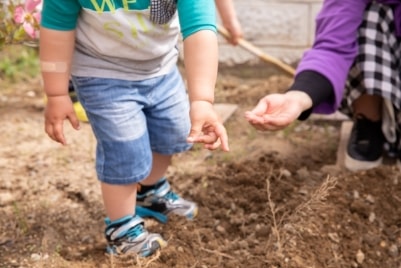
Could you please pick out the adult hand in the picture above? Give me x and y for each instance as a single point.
(206, 127)
(277, 111)
(58, 109)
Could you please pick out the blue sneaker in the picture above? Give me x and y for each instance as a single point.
(128, 235)
(162, 201)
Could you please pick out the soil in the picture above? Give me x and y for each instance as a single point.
(277, 199)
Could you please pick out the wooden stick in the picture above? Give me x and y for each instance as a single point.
(258, 52)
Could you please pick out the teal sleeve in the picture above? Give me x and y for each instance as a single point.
(196, 15)
(60, 14)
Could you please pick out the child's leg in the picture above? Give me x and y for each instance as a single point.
(119, 200)
(168, 125)
(124, 231)
(160, 164)
(123, 158)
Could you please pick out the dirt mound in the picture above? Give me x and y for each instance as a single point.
(276, 200)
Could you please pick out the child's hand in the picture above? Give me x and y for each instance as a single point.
(234, 29)
(206, 127)
(58, 109)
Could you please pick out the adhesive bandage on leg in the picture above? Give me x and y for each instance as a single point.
(53, 67)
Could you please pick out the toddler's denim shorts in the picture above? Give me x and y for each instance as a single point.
(132, 119)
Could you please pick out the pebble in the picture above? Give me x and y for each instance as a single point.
(334, 237)
(220, 229)
(303, 191)
(35, 257)
(360, 256)
(39, 256)
(286, 173)
(372, 217)
(393, 251)
(6, 198)
(31, 93)
(370, 199)
(254, 216)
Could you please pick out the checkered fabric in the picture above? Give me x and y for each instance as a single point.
(376, 70)
(162, 11)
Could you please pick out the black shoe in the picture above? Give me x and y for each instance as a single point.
(365, 145)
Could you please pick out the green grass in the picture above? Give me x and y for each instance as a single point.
(18, 62)
(20, 218)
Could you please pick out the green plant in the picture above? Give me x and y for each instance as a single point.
(19, 35)
(21, 220)
(18, 62)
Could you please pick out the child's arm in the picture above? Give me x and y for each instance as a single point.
(200, 59)
(229, 19)
(56, 48)
(57, 38)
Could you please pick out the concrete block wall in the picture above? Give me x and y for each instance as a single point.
(281, 28)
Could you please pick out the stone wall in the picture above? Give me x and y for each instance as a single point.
(281, 28)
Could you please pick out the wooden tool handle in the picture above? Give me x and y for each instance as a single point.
(258, 52)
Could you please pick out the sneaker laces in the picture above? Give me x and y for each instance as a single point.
(135, 231)
(172, 196)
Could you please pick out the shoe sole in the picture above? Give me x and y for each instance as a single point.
(193, 214)
(356, 165)
(157, 244)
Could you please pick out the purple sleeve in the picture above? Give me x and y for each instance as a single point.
(335, 46)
